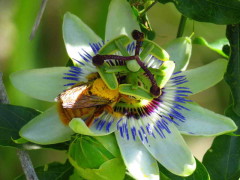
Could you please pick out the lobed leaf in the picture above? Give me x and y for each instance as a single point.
(216, 46)
(12, 118)
(214, 11)
(222, 159)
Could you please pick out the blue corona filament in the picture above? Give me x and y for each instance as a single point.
(150, 120)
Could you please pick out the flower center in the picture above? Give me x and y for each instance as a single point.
(99, 88)
(98, 60)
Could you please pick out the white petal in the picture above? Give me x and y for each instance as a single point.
(44, 84)
(77, 36)
(180, 51)
(201, 121)
(139, 162)
(172, 152)
(120, 20)
(79, 126)
(204, 77)
(46, 128)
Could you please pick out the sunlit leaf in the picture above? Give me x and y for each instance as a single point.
(111, 169)
(199, 174)
(86, 152)
(110, 143)
(93, 161)
(216, 46)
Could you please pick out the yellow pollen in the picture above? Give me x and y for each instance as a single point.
(99, 88)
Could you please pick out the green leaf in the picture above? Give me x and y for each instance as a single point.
(214, 11)
(75, 176)
(86, 152)
(222, 159)
(232, 77)
(216, 46)
(52, 171)
(12, 118)
(93, 161)
(111, 169)
(110, 143)
(128, 177)
(199, 174)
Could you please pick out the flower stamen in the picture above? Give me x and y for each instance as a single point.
(98, 60)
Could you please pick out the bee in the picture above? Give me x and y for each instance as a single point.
(87, 101)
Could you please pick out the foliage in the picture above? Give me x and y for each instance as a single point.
(90, 157)
(199, 174)
(12, 118)
(222, 159)
(55, 170)
(214, 11)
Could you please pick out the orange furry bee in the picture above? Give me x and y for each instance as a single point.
(87, 101)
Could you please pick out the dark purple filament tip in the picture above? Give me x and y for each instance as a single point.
(137, 35)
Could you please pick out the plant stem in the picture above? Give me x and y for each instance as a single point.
(147, 9)
(3, 93)
(22, 154)
(27, 165)
(38, 19)
(181, 26)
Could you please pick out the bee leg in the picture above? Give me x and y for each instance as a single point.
(89, 121)
(63, 114)
(110, 110)
(128, 99)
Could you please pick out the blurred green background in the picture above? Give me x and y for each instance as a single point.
(47, 50)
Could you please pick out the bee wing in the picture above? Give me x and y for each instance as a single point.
(90, 101)
(75, 98)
